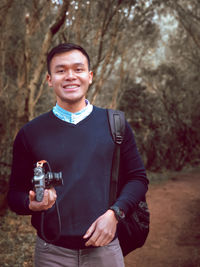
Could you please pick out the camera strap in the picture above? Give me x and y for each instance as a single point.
(41, 163)
(59, 225)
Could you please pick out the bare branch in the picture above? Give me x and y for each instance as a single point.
(189, 21)
(106, 22)
(39, 92)
(53, 29)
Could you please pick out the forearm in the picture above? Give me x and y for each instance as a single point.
(21, 176)
(132, 193)
(133, 183)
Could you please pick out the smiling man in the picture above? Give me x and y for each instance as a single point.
(74, 138)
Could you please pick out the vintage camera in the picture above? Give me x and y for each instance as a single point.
(44, 179)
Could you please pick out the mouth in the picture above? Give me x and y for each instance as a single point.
(71, 87)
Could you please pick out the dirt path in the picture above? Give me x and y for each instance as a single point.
(174, 239)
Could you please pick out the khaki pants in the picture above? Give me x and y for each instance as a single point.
(48, 255)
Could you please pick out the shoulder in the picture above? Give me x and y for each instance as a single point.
(34, 125)
(99, 110)
(38, 120)
(99, 115)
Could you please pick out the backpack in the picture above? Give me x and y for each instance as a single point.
(132, 231)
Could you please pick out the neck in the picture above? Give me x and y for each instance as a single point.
(73, 107)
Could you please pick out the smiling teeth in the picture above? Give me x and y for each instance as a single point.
(70, 86)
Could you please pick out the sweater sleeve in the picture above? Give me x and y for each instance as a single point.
(21, 176)
(133, 180)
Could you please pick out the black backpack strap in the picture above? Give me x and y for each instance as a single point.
(116, 120)
(117, 125)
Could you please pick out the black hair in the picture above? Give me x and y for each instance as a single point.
(62, 48)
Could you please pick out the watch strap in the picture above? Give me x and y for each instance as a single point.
(119, 213)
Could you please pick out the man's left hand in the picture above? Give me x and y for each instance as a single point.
(102, 231)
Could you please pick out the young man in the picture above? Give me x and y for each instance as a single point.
(74, 138)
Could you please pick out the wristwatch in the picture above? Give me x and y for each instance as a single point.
(119, 214)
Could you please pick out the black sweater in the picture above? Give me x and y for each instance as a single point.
(83, 153)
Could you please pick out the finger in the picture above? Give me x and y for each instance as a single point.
(90, 231)
(100, 241)
(92, 241)
(52, 195)
(31, 195)
(93, 238)
(100, 238)
(103, 241)
(45, 200)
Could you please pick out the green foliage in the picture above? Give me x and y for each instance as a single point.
(165, 119)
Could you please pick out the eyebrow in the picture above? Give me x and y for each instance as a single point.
(63, 65)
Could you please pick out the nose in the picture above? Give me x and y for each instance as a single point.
(70, 75)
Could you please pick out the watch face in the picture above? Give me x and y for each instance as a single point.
(121, 214)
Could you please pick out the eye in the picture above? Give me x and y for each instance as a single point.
(60, 71)
(79, 69)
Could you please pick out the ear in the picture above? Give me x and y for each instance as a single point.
(49, 80)
(90, 77)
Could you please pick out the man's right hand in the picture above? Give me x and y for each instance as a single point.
(47, 202)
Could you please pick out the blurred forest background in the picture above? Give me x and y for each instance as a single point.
(146, 61)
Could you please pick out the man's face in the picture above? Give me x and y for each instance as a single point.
(70, 79)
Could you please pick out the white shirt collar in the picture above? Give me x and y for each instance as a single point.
(73, 117)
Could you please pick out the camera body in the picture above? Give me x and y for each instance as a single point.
(43, 179)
